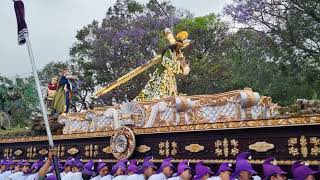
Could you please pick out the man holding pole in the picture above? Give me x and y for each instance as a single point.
(23, 38)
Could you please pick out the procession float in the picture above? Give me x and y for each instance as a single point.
(162, 123)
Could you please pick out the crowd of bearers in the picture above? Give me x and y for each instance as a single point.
(75, 169)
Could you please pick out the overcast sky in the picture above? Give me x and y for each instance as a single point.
(53, 25)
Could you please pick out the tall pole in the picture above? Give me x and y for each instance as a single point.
(42, 105)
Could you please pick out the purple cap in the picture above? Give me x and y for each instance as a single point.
(25, 163)
(270, 169)
(242, 164)
(51, 177)
(301, 171)
(101, 164)
(68, 162)
(224, 167)
(11, 162)
(182, 166)
(120, 164)
(3, 162)
(88, 168)
(201, 170)
(37, 165)
(147, 163)
(133, 166)
(166, 163)
(77, 163)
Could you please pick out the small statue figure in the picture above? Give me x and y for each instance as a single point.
(51, 90)
(163, 81)
(61, 100)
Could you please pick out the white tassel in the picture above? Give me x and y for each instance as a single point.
(249, 157)
(100, 160)
(230, 165)
(306, 164)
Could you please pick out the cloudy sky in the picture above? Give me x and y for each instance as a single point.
(53, 24)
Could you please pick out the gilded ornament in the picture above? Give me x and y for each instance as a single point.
(304, 148)
(315, 150)
(261, 146)
(143, 149)
(194, 148)
(18, 152)
(43, 152)
(107, 150)
(225, 147)
(73, 151)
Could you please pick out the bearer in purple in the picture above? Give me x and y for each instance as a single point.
(88, 170)
(119, 170)
(25, 171)
(102, 171)
(3, 169)
(165, 171)
(271, 171)
(184, 171)
(224, 172)
(34, 170)
(301, 171)
(17, 170)
(147, 170)
(244, 170)
(202, 172)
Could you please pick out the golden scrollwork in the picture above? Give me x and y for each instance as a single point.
(165, 149)
(261, 146)
(222, 147)
(107, 150)
(31, 152)
(91, 150)
(7, 152)
(295, 150)
(18, 152)
(73, 151)
(225, 147)
(43, 152)
(174, 147)
(279, 122)
(143, 148)
(303, 144)
(234, 151)
(194, 148)
(315, 150)
(218, 150)
(291, 146)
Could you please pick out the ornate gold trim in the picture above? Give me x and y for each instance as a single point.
(194, 148)
(18, 152)
(107, 150)
(143, 149)
(43, 152)
(261, 123)
(214, 161)
(73, 151)
(261, 146)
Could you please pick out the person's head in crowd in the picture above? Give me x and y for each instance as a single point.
(272, 171)
(102, 168)
(301, 171)
(202, 172)
(224, 171)
(244, 170)
(148, 167)
(166, 168)
(119, 168)
(184, 170)
(25, 167)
